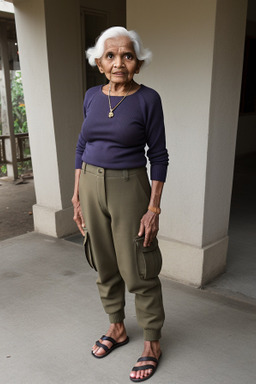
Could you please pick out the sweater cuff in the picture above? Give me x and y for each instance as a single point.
(78, 163)
(158, 172)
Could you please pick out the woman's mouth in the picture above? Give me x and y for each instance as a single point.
(119, 73)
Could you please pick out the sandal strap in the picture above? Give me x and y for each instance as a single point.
(105, 347)
(143, 367)
(102, 346)
(147, 358)
(108, 339)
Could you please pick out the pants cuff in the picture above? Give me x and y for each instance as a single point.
(152, 334)
(117, 317)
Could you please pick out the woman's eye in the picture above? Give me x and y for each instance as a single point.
(110, 55)
(129, 56)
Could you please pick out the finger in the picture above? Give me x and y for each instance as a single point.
(153, 235)
(147, 240)
(83, 226)
(82, 230)
(80, 225)
(83, 222)
(142, 229)
(79, 212)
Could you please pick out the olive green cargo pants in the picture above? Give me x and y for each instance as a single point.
(113, 203)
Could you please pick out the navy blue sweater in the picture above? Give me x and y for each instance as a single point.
(119, 142)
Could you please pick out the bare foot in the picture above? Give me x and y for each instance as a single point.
(117, 332)
(152, 349)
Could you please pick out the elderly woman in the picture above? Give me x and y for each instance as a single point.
(115, 207)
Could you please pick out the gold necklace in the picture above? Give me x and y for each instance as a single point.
(111, 114)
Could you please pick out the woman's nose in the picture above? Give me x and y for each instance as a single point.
(118, 62)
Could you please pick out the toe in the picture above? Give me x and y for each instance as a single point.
(99, 352)
(95, 349)
(139, 375)
(133, 374)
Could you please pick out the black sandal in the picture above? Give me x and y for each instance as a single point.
(144, 367)
(108, 350)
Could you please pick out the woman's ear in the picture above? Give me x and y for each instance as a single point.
(139, 64)
(98, 62)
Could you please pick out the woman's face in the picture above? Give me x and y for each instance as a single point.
(119, 62)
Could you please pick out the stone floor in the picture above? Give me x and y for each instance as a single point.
(51, 315)
(16, 201)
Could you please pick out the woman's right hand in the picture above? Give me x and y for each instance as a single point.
(78, 217)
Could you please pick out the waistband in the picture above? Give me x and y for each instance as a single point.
(123, 173)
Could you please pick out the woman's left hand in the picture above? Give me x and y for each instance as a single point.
(149, 225)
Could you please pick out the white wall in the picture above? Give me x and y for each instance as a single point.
(181, 36)
(197, 64)
(6, 7)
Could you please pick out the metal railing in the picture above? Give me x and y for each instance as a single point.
(22, 148)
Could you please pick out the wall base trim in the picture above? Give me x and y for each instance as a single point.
(56, 223)
(192, 265)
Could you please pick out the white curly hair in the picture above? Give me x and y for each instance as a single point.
(97, 51)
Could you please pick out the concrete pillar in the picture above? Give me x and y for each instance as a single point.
(197, 67)
(50, 57)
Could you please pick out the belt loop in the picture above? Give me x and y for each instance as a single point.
(125, 174)
(84, 167)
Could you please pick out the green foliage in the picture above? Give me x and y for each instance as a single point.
(20, 120)
(18, 106)
(23, 167)
(3, 170)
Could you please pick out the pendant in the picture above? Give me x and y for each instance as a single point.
(111, 114)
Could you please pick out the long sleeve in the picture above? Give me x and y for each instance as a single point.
(81, 143)
(155, 136)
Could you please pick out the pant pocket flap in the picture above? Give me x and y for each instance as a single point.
(88, 250)
(149, 259)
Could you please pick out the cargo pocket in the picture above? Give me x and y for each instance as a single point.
(88, 250)
(149, 259)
